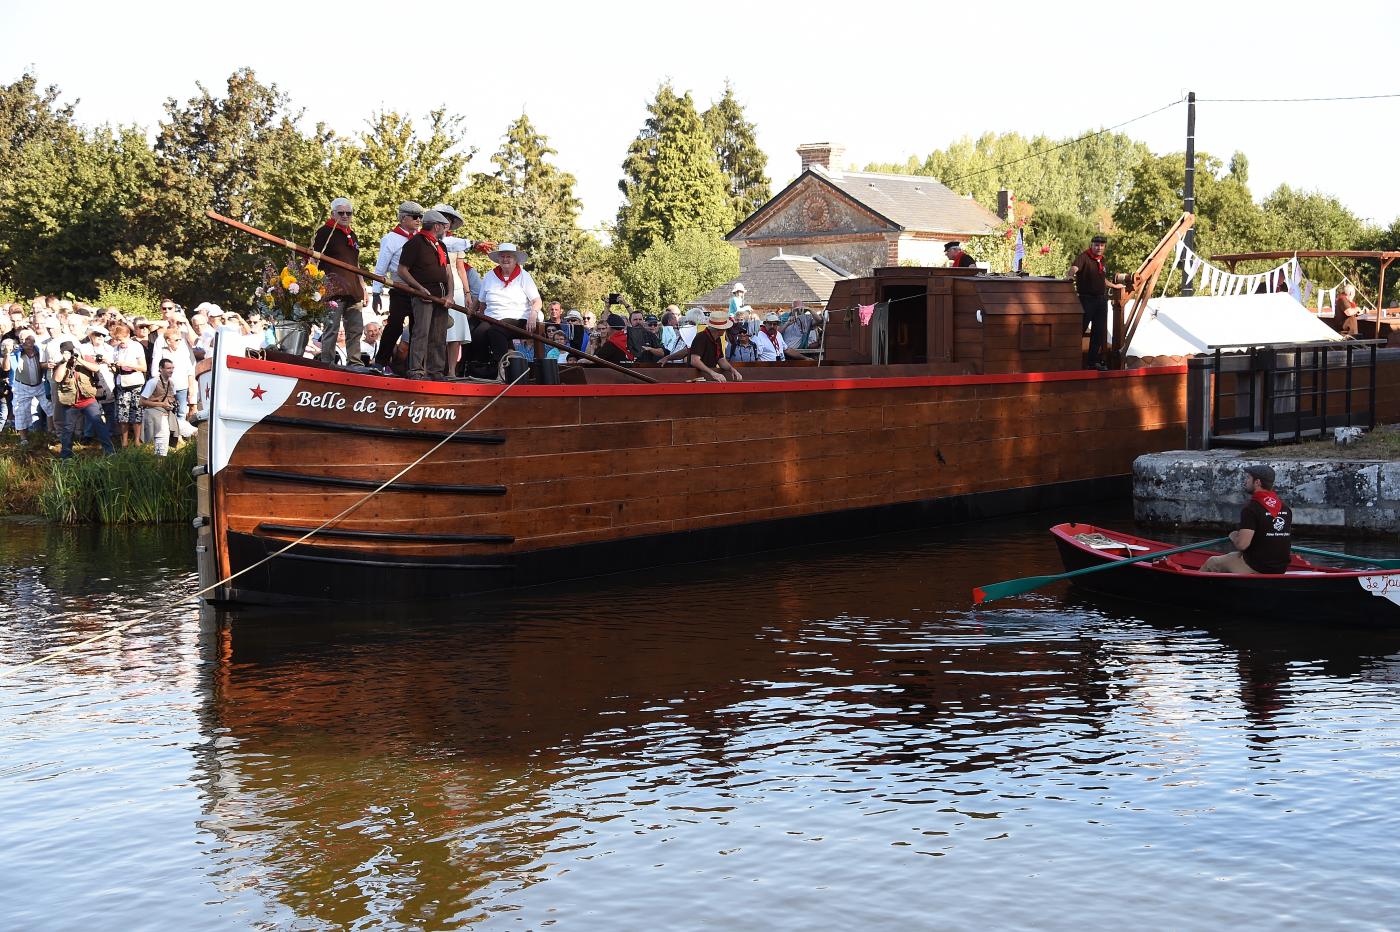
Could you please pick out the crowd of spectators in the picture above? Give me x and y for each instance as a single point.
(70, 371)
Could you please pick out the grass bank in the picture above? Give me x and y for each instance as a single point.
(1383, 443)
(133, 487)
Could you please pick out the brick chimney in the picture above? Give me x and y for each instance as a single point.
(824, 155)
(1004, 204)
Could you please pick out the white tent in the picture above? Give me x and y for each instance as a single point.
(1187, 326)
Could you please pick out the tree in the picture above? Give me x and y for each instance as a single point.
(63, 207)
(531, 202)
(1084, 175)
(679, 269)
(1227, 219)
(28, 114)
(210, 153)
(671, 178)
(744, 164)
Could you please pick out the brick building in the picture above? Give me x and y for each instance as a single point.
(852, 221)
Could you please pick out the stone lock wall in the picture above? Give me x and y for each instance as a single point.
(1206, 489)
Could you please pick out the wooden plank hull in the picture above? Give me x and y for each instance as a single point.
(553, 482)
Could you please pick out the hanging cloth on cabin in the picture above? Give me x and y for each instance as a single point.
(880, 334)
(865, 311)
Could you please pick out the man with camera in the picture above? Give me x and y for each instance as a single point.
(78, 393)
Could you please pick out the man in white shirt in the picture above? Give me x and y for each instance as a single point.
(770, 343)
(387, 266)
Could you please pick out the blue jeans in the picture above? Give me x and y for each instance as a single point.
(93, 415)
(182, 402)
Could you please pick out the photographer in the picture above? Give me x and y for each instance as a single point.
(78, 395)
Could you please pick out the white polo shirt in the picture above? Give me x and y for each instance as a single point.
(769, 350)
(387, 265)
(508, 302)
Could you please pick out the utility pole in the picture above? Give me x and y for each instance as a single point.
(1187, 288)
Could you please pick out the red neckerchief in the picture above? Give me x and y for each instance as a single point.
(346, 230)
(618, 339)
(1268, 501)
(772, 337)
(1097, 259)
(406, 234)
(441, 253)
(515, 273)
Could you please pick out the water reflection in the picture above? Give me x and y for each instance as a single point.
(835, 737)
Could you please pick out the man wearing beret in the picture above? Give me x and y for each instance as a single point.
(1092, 284)
(956, 257)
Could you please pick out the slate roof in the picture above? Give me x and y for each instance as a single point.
(912, 203)
(783, 279)
(917, 203)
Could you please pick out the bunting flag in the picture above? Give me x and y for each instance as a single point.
(1218, 282)
(1021, 250)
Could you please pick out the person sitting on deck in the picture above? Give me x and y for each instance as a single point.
(613, 346)
(771, 345)
(1264, 541)
(1345, 311)
(644, 339)
(707, 350)
(741, 346)
(576, 332)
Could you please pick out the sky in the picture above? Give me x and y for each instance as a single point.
(889, 81)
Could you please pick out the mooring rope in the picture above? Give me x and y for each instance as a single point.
(111, 632)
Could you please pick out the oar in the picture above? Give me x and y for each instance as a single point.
(1017, 586)
(1372, 561)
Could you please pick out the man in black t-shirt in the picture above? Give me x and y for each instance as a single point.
(1092, 284)
(1264, 541)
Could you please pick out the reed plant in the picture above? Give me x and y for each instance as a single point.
(133, 487)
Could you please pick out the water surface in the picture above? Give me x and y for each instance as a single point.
(825, 738)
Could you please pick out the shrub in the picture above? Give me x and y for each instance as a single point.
(133, 298)
(133, 487)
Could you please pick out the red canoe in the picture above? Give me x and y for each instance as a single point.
(1306, 591)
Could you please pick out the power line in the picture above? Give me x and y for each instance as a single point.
(1072, 142)
(1288, 100)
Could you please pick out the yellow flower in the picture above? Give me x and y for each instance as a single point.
(287, 278)
(311, 267)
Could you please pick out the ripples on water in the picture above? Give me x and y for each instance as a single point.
(808, 740)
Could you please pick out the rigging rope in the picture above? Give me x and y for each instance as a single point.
(69, 648)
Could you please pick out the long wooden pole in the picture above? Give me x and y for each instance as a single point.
(518, 332)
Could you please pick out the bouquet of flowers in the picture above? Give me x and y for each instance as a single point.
(294, 292)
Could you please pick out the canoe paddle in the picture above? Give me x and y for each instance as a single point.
(1369, 561)
(1017, 586)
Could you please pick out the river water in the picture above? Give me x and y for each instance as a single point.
(822, 738)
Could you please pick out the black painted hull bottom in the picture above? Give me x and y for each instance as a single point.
(1312, 599)
(334, 574)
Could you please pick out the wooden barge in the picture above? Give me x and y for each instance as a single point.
(964, 399)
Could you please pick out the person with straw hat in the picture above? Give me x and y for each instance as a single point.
(707, 349)
(508, 294)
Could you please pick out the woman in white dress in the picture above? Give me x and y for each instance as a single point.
(459, 331)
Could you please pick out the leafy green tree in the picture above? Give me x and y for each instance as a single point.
(680, 269)
(744, 164)
(672, 180)
(63, 204)
(531, 202)
(212, 152)
(1087, 177)
(1227, 219)
(29, 114)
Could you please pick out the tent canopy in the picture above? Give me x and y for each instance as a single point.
(1189, 326)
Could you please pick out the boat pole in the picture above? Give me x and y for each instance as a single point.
(518, 332)
(1187, 288)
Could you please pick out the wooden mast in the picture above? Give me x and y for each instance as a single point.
(1135, 298)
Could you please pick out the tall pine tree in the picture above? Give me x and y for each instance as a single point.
(672, 179)
(530, 201)
(740, 158)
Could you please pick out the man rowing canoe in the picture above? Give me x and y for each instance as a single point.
(1264, 540)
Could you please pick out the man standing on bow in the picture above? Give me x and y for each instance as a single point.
(423, 268)
(344, 293)
(387, 266)
(1092, 284)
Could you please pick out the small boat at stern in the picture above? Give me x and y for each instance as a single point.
(1304, 592)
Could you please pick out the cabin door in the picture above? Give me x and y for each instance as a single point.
(908, 322)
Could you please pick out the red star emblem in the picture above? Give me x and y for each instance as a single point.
(258, 392)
